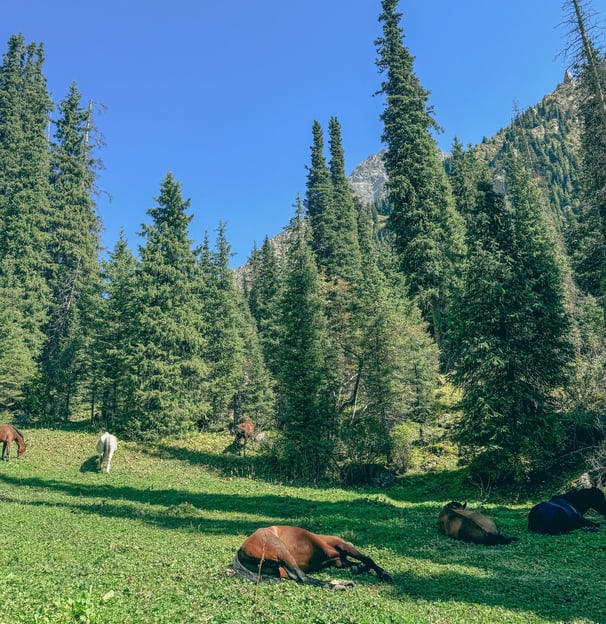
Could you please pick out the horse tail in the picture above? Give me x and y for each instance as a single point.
(241, 570)
(496, 539)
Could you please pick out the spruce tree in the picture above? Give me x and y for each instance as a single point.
(306, 383)
(74, 247)
(224, 351)
(396, 370)
(346, 254)
(169, 372)
(510, 337)
(254, 396)
(428, 230)
(17, 366)
(113, 379)
(25, 263)
(319, 202)
(591, 71)
(264, 287)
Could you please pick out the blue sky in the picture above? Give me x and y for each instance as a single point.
(224, 94)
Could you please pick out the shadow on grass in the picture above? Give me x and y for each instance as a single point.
(548, 594)
(90, 465)
(181, 508)
(226, 463)
(530, 575)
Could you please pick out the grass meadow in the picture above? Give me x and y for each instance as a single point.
(152, 541)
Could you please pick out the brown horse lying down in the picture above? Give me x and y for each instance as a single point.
(458, 522)
(289, 552)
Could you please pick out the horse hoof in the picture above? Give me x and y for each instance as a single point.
(339, 585)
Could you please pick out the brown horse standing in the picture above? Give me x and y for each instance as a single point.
(460, 523)
(290, 552)
(8, 435)
(244, 431)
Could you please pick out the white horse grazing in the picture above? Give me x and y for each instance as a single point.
(106, 447)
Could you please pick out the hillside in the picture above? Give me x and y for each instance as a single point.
(552, 133)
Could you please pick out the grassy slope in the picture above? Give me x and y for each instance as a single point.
(152, 541)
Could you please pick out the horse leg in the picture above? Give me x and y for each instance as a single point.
(288, 568)
(345, 550)
(588, 525)
(265, 554)
(4, 445)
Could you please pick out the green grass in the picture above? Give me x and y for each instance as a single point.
(152, 541)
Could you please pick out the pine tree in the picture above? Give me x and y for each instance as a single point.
(24, 187)
(169, 370)
(74, 247)
(17, 366)
(224, 352)
(396, 368)
(319, 202)
(254, 397)
(346, 254)
(306, 384)
(510, 338)
(591, 71)
(264, 294)
(428, 230)
(113, 382)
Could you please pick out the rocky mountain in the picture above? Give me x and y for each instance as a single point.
(367, 180)
(550, 130)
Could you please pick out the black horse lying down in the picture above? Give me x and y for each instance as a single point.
(564, 512)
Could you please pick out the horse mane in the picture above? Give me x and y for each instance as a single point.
(17, 430)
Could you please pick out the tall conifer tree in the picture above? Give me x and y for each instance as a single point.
(346, 254)
(510, 336)
(306, 382)
(224, 352)
(319, 202)
(74, 247)
(114, 380)
(428, 230)
(591, 72)
(24, 186)
(170, 372)
(264, 294)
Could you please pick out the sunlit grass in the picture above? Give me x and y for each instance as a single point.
(152, 541)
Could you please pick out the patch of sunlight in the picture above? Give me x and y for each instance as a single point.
(431, 570)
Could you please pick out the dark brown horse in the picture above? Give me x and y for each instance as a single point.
(460, 523)
(244, 432)
(564, 512)
(290, 552)
(8, 435)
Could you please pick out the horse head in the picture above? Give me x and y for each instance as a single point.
(456, 505)
(598, 500)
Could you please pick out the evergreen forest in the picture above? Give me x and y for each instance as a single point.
(463, 314)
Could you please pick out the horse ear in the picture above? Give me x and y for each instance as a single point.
(465, 505)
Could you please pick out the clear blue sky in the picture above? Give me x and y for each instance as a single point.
(223, 93)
